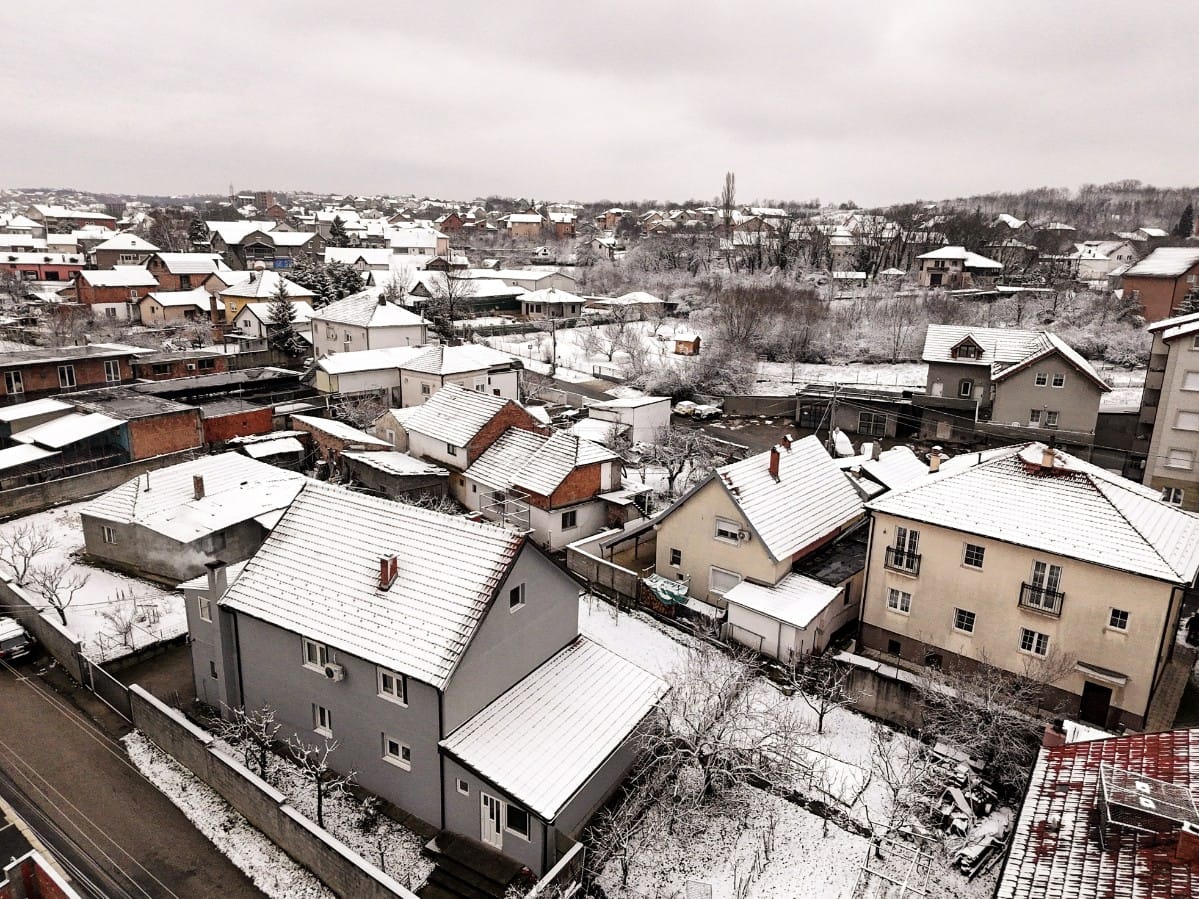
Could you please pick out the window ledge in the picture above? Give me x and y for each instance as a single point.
(398, 763)
(323, 731)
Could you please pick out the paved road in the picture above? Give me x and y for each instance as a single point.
(129, 836)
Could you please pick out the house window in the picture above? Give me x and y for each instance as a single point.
(1190, 381)
(451, 450)
(463, 787)
(873, 424)
(904, 555)
(13, 382)
(963, 620)
(212, 669)
(899, 601)
(516, 598)
(1042, 378)
(206, 364)
(397, 753)
(1059, 379)
(161, 368)
(1118, 620)
(393, 686)
(966, 351)
(1180, 458)
(721, 581)
(1034, 642)
(518, 821)
(973, 555)
(424, 390)
(894, 647)
(1034, 418)
(1050, 418)
(205, 608)
(347, 346)
(322, 720)
(676, 557)
(727, 530)
(109, 534)
(66, 376)
(1172, 495)
(316, 655)
(112, 369)
(965, 388)
(185, 282)
(110, 312)
(570, 520)
(1187, 421)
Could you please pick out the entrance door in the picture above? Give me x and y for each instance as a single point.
(938, 388)
(492, 821)
(1096, 701)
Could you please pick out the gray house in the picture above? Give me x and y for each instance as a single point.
(443, 654)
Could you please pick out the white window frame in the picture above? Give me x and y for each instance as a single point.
(1059, 379)
(966, 388)
(1190, 380)
(516, 598)
(1173, 495)
(899, 601)
(712, 574)
(399, 691)
(527, 835)
(14, 382)
(961, 615)
(1039, 643)
(1034, 418)
(967, 552)
(112, 370)
(108, 534)
(69, 380)
(322, 720)
(451, 450)
(425, 389)
(726, 530)
(204, 608)
(676, 557)
(320, 650)
(1051, 418)
(1192, 418)
(462, 787)
(402, 757)
(1041, 379)
(1181, 459)
(1112, 618)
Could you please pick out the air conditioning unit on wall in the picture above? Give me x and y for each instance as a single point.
(335, 672)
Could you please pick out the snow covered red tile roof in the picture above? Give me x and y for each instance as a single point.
(1078, 510)
(193, 263)
(542, 740)
(454, 414)
(557, 457)
(318, 575)
(505, 459)
(197, 297)
(236, 489)
(811, 500)
(794, 600)
(366, 309)
(1165, 262)
(1055, 849)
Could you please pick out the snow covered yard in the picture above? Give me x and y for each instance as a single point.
(112, 614)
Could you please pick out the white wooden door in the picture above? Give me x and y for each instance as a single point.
(938, 388)
(492, 821)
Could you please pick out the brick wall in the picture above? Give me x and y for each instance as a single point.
(1158, 296)
(219, 428)
(162, 434)
(330, 448)
(511, 416)
(581, 484)
(86, 293)
(208, 365)
(42, 377)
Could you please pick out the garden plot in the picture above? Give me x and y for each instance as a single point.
(112, 614)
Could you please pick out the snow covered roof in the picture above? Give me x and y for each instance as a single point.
(198, 297)
(68, 429)
(523, 218)
(1004, 350)
(457, 360)
(629, 402)
(506, 458)
(236, 489)
(279, 446)
(1055, 850)
(193, 263)
(557, 457)
(265, 284)
(968, 258)
(1178, 326)
(811, 500)
(449, 570)
(550, 295)
(20, 411)
(1077, 510)
(367, 310)
(795, 600)
(1153, 232)
(1049, 344)
(127, 242)
(23, 454)
(119, 276)
(1010, 220)
(380, 256)
(455, 414)
(542, 740)
(895, 467)
(200, 582)
(235, 232)
(369, 360)
(1165, 262)
(397, 463)
(339, 429)
(264, 312)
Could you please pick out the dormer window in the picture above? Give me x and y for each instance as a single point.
(967, 349)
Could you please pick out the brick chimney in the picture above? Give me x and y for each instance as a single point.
(876, 450)
(1055, 734)
(198, 486)
(389, 567)
(1047, 458)
(934, 459)
(218, 580)
(774, 462)
(787, 442)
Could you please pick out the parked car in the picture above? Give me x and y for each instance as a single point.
(703, 412)
(686, 407)
(14, 642)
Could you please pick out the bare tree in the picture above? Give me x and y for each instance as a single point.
(253, 732)
(451, 292)
(614, 335)
(682, 449)
(312, 761)
(822, 684)
(121, 615)
(896, 320)
(361, 410)
(904, 768)
(20, 544)
(58, 585)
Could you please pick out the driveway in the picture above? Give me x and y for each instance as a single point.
(76, 774)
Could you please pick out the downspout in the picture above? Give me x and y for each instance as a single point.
(440, 754)
(241, 693)
(865, 578)
(1157, 664)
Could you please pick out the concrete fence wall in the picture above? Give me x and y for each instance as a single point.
(748, 406)
(600, 574)
(36, 497)
(21, 604)
(338, 867)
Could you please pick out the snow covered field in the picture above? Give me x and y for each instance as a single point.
(108, 601)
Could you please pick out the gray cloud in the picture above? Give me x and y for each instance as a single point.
(870, 101)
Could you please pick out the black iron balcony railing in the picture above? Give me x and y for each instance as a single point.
(902, 560)
(1041, 599)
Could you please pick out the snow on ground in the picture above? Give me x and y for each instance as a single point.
(268, 866)
(635, 636)
(159, 614)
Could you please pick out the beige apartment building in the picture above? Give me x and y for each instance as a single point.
(1170, 408)
(1024, 555)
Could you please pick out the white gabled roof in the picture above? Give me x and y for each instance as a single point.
(318, 575)
(1165, 262)
(265, 314)
(968, 258)
(454, 414)
(795, 600)
(458, 360)
(542, 740)
(367, 310)
(264, 284)
(895, 467)
(811, 500)
(1078, 510)
(197, 296)
(340, 430)
(127, 241)
(236, 489)
(369, 360)
(277, 447)
(557, 457)
(1004, 350)
(551, 295)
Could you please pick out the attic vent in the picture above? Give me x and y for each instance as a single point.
(389, 569)
(1141, 803)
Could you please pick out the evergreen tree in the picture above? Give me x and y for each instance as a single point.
(329, 283)
(282, 335)
(338, 236)
(1186, 222)
(198, 233)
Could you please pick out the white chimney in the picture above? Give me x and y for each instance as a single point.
(934, 459)
(218, 579)
(1047, 458)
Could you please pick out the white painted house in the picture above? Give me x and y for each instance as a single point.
(257, 319)
(365, 321)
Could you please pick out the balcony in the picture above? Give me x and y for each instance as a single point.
(1039, 599)
(901, 560)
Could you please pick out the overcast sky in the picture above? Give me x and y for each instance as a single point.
(875, 102)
